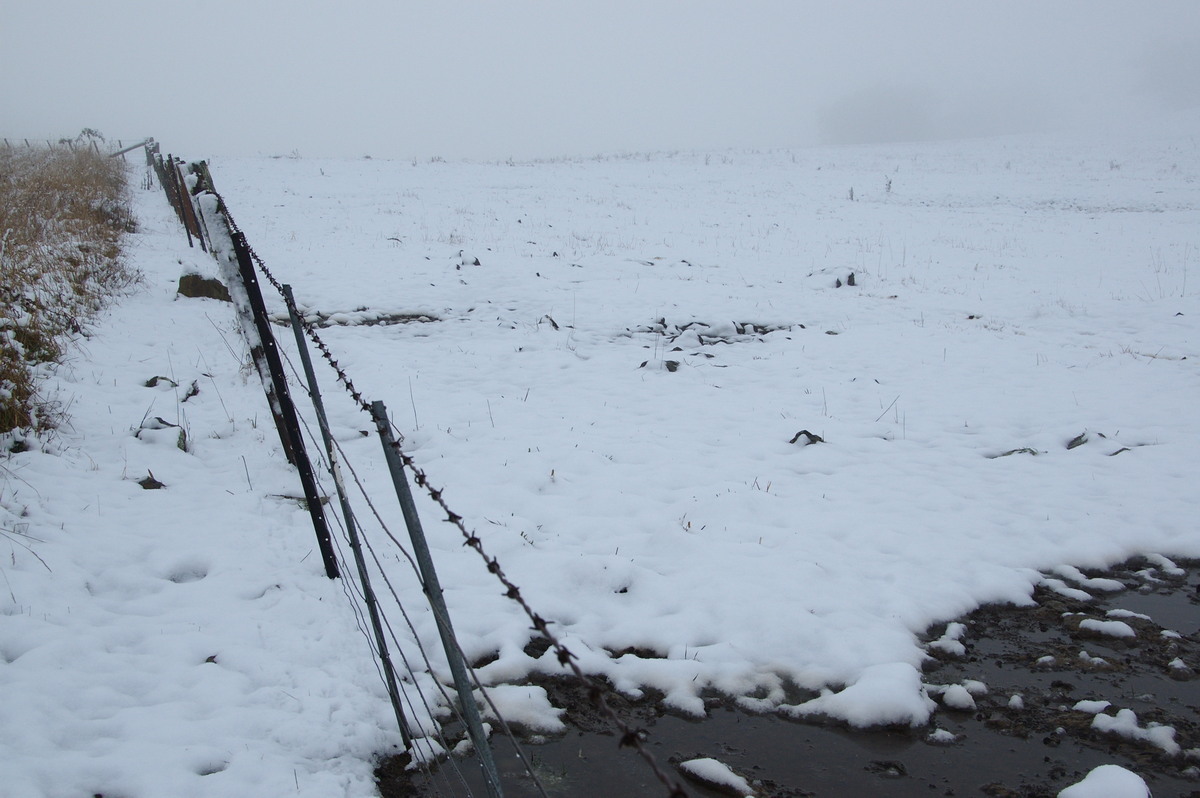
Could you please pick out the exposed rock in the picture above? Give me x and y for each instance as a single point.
(196, 287)
(150, 483)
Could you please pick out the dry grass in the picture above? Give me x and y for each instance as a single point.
(63, 213)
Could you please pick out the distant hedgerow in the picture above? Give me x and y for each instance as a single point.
(63, 212)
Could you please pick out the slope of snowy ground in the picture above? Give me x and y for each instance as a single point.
(610, 397)
(180, 641)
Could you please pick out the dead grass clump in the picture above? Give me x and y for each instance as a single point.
(63, 213)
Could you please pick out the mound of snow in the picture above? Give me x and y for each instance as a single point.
(1108, 628)
(711, 771)
(886, 694)
(1125, 724)
(1108, 781)
(958, 697)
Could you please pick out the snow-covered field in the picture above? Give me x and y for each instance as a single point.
(612, 398)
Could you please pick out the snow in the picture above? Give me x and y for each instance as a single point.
(975, 687)
(1125, 724)
(951, 640)
(1091, 707)
(1092, 583)
(1107, 628)
(1108, 781)
(1168, 567)
(1090, 660)
(1119, 613)
(526, 705)
(886, 694)
(1009, 295)
(1063, 589)
(957, 697)
(715, 772)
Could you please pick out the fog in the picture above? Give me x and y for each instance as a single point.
(539, 78)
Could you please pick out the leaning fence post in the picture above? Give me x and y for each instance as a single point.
(281, 404)
(437, 602)
(314, 391)
(187, 209)
(177, 200)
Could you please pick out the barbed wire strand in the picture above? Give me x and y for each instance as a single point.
(507, 730)
(422, 762)
(630, 736)
(341, 557)
(483, 691)
(349, 587)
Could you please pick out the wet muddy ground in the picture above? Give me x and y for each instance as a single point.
(1073, 646)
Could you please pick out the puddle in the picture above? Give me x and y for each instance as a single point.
(998, 750)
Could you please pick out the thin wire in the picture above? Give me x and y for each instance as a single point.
(352, 589)
(483, 691)
(630, 736)
(340, 555)
(423, 764)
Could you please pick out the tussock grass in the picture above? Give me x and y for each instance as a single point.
(63, 213)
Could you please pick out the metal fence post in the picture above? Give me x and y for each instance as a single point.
(437, 602)
(314, 391)
(282, 407)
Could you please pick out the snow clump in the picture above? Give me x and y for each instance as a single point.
(1125, 724)
(1108, 781)
(711, 771)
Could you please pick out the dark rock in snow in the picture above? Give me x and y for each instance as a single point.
(810, 438)
(196, 287)
(150, 483)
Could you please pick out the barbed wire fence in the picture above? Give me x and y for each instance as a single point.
(208, 223)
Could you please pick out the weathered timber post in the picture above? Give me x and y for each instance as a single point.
(187, 208)
(176, 194)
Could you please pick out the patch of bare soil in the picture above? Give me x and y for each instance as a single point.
(1133, 644)
(1075, 645)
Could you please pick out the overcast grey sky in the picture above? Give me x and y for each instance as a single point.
(530, 78)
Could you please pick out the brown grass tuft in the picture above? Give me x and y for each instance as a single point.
(63, 213)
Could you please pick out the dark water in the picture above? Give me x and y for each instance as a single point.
(998, 751)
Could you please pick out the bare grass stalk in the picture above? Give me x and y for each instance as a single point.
(63, 213)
